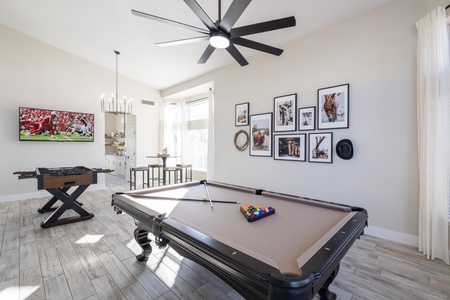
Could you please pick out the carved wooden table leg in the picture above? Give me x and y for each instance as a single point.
(141, 237)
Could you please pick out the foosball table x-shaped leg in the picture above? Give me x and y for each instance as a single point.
(69, 202)
(49, 205)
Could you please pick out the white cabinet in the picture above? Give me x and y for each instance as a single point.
(116, 163)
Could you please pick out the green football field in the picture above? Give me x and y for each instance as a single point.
(59, 137)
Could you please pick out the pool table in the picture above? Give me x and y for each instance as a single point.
(293, 253)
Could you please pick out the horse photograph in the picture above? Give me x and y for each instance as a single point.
(333, 107)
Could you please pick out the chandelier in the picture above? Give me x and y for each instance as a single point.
(113, 105)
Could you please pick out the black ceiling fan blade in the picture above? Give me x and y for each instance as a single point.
(167, 21)
(237, 55)
(263, 27)
(198, 10)
(205, 56)
(257, 46)
(183, 41)
(233, 13)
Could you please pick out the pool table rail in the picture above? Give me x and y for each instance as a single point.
(324, 265)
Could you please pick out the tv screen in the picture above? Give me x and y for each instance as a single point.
(36, 124)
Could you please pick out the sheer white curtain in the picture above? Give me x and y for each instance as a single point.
(171, 120)
(433, 133)
(210, 164)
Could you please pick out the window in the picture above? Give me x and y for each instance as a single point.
(196, 148)
(171, 129)
(186, 131)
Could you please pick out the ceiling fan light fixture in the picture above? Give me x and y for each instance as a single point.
(222, 33)
(219, 40)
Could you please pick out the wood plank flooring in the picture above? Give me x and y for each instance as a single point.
(94, 259)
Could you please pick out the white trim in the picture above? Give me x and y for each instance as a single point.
(394, 236)
(42, 193)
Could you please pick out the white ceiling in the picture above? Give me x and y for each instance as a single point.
(93, 29)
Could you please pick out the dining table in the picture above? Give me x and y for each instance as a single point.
(164, 158)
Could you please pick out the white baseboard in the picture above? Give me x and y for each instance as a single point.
(394, 236)
(43, 193)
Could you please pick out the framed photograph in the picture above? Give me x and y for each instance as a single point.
(321, 147)
(241, 114)
(261, 135)
(290, 147)
(285, 110)
(333, 107)
(307, 118)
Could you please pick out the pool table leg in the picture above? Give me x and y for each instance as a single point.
(141, 237)
(324, 292)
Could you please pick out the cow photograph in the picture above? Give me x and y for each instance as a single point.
(261, 135)
(333, 105)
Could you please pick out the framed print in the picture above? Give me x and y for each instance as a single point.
(261, 135)
(285, 110)
(333, 107)
(307, 118)
(241, 114)
(290, 147)
(321, 147)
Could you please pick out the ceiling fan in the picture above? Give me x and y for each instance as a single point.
(221, 33)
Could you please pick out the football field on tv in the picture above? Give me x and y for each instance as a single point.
(59, 137)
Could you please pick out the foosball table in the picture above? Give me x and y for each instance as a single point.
(58, 181)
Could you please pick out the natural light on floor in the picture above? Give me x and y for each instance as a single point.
(90, 239)
(13, 292)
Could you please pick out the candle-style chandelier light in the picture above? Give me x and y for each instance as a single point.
(113, 105)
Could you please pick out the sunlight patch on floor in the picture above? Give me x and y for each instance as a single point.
(90, 239)
(12, 292)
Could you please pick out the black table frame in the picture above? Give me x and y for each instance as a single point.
(69, 202)
(250, 277)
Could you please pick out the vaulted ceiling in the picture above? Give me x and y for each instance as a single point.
(94, 29)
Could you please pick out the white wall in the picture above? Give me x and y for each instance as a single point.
(375, 53)
(36, 74)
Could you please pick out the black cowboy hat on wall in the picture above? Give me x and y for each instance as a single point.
(344, 149)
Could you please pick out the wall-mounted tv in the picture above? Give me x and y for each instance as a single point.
(36, 124)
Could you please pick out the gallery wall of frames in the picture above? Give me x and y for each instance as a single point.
(294, 133)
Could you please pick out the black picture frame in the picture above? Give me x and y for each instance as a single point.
(320, 147)
(290, 147)
(241, 114)
(285, 113)
(261, 135)
(333, 107)
(307, 118)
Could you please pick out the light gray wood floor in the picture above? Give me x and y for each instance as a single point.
(95, 259)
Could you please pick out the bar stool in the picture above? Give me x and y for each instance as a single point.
(155, 177)
(133, 176)
(176, 171)
(187, 170)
